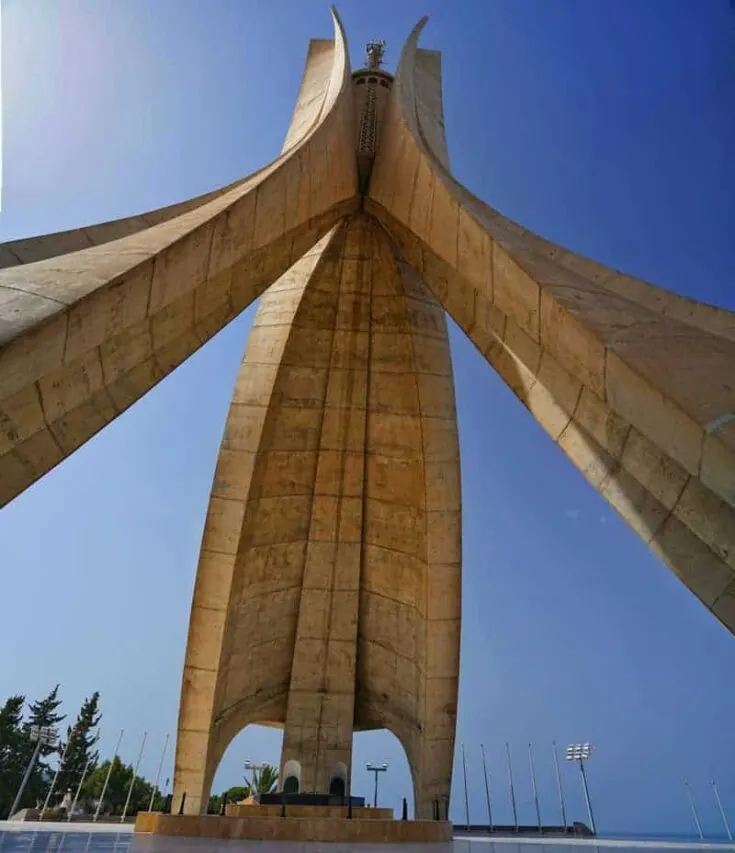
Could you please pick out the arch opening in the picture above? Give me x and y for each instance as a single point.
(258, 744)
(291, 775)
(381, 746)
(338, 780)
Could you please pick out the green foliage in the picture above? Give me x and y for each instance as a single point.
(237, 793)
(117, 788)
(12, 748)
(80, 754)
(234, 795)
(16, 750)
(43, 712)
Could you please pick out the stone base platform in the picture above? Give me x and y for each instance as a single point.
(255, 810)
(313, 828)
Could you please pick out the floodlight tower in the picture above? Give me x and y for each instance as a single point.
(581, 752)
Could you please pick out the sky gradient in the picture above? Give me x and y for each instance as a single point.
(605, 126)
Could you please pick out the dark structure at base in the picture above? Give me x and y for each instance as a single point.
(577, 828)
(278, 798)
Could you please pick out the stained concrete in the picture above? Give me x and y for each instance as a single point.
(327, 597)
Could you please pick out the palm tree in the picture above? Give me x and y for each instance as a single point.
(264, 780)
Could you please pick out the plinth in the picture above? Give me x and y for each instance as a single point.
(301, 823)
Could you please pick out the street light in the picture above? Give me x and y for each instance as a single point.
(376, 768)
(42, 735)
(581, 752)
(254, 766)
(59, 766)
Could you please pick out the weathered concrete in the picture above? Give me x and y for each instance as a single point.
(85, 334)
(328, 588)
(327, 597)
(634, 383)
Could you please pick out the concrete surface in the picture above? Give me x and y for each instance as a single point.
(328, 588)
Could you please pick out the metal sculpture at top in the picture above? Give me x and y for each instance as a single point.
(374, 53)
(327, 597)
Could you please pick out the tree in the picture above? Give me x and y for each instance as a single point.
(42, 713)
(233, 795)
(80, 753)
(237, 793)
(117, 788)
(12, 751)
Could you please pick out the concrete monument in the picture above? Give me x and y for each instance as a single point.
(327, 598)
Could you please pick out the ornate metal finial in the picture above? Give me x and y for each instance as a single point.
(374, 52)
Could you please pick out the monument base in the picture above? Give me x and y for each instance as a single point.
(326, 828)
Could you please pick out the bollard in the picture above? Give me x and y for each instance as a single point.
(183, 800)
(167, 804)
(223, 804)
(446, 808)
(283, 806)
(435, 809)
(349, 807)
(405, 810)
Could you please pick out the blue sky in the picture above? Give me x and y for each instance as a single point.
(607, 126)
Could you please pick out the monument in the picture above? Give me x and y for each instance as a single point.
(327, 597)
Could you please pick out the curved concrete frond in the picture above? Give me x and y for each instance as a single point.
(307, 112)
(28, 250)
(312, 92)
(635, 384)
(84, 335)
(328, 588)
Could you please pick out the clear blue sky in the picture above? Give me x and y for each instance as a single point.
(607, 126)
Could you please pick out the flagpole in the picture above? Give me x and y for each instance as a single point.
(81, 782)
(512, 789)
(132, 781)
(466, 798)
(107, 778)
(533, 785)
(559, 786)
(158, 775)
(487, 790)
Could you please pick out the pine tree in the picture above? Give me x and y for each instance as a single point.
(42, 713)
(12, 751)
(80, 753)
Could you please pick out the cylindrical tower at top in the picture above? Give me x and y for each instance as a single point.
(372, 87)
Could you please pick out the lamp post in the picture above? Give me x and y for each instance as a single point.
(580, 752)
(376, 768)
(42, 735)
(254, 767)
